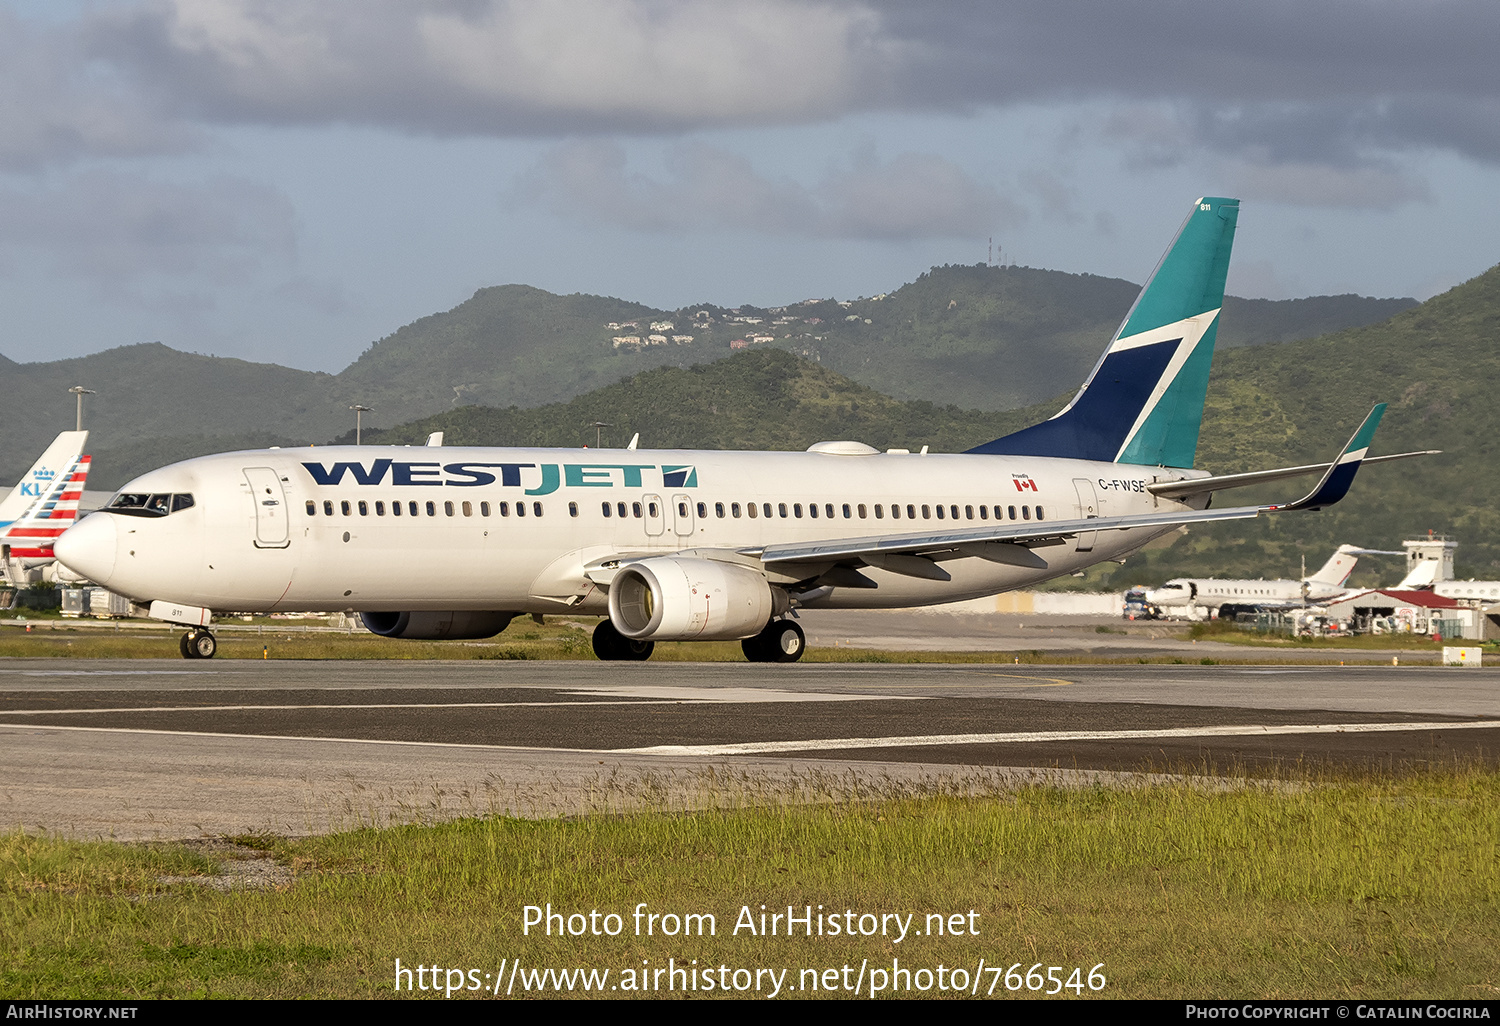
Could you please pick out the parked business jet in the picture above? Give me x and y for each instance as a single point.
(1181, 594)
(41, 506)
(699, 545)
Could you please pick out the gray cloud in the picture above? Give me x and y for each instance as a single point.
(911, 196)
(1315, 80)
(536, 67)
(116, 230)
(1280, 84)
(57, 106)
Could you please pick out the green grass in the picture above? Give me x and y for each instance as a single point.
(1380, 887)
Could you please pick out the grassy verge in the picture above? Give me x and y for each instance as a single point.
(1217, 630)
(1374, 888)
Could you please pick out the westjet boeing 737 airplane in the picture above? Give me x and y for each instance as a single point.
(699, 545)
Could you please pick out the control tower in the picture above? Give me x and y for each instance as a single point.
(1428, 560)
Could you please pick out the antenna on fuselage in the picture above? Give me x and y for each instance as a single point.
(634, 440)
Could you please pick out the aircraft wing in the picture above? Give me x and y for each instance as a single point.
(915, 554)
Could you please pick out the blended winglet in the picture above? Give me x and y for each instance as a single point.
(1336, 480)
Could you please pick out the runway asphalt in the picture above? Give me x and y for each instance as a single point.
(140, 748)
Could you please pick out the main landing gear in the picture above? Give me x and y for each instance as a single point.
(609, 643)
(781, 641)
(198, 644)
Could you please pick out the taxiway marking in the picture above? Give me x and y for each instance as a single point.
(833, 744)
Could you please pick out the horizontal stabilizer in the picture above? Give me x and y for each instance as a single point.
(1205, 485)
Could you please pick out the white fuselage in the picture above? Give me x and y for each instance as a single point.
(1212, 592)
(287, 529)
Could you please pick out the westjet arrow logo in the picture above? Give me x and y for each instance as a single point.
(536, 478)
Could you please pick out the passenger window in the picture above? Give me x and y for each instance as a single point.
(828, 510)
(984, 512)
(411, 507)
(652, 510)
(1039, 513)
(328, 507)
(635, 508)
(939, 512)
(572, 509)
(926, 512)
(521, 508)
(504, 509)
(911, 511)
(765, 508)
(364, 508)
(895, 511)
(621, 507)
(431, 508)
(379, 507)
(682, 509)
(781, 508)
(734, 510)
(847, 511)
(954, 511)
(1026, 512)
(1012, 512)
(536, 508)
(312, 508)
(484, 509)
(718, 510)
(752, 509)
(812, 510)
(468, 508)
(448, 508)
(608, 510)
(395, 509)
(344, 507)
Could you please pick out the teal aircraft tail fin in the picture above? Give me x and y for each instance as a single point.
(1143, 403)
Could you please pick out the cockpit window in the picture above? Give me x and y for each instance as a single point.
(141, 504)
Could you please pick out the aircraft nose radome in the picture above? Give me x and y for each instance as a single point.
(88, 548)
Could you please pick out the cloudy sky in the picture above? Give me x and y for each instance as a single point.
(291, 181)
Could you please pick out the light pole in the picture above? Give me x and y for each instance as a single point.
(80, 392)
(359, 411)
(599, 427)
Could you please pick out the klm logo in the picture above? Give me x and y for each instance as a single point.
(534, 478)
(36, 486)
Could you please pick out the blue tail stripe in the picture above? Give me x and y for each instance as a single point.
(1095, 426)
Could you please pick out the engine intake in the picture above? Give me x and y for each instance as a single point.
(450, 625)
(668, 598)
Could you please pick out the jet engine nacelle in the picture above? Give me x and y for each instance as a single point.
(668, 598)
(450, 625)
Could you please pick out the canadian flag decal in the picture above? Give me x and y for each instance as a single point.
(1024, 483)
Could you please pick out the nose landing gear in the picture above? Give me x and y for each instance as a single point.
(198, 644)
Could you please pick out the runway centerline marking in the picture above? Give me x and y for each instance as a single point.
(775, 747)
(1033, 737)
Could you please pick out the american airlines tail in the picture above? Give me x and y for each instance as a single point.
(1143, 403)
(45, 502)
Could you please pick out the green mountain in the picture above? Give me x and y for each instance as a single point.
(981, 337)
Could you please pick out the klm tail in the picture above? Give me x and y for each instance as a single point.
(1143, 403)
(43, 475)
